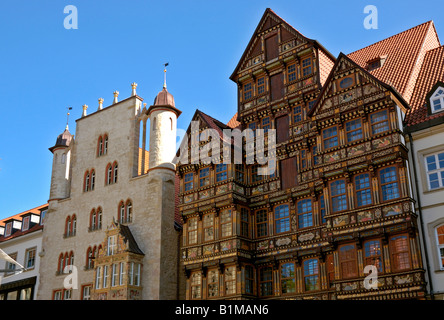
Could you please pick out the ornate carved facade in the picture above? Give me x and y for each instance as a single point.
(340, 198)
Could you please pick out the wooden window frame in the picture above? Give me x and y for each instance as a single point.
(348, 261)
(208, 226)
(297, 114)
(378, 123)
(286, 278)
(292, 75)
(359, 189)
(230, 283)
(439, 236)
(196, 285)
(266, 124)
(247, 91)
(330, 141)
(244, 214)
(261, 226)
(205, 177)
(309, 66)
(213, 283)
(260, 85)
(372, 257)
(221, 171)
(239, 172)
(350, 130)
(343, 196)
(304, 214)
(395, 255)
(311, 273)
(268, 282)
(249, 279)
(384, 184)
(189, 182)
(226, 225)
(192, 232)
(278, 219)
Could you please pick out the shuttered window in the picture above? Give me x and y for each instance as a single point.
(272, 47)
(288, 173)
(282, 129)
(277, 86)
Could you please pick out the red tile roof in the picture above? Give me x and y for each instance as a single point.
(18, 216)
(233, 123)
(432, 71)
(405, 52)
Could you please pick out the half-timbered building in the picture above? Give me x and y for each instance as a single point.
(336, 220)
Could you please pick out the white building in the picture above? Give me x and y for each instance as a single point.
(21, 239)
(424, 127)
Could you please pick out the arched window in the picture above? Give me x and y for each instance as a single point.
(109, 174)
(440, 243)
(63, 158)
(92, 220)
(99, 218)
(129, 211)
(114, 172)
(121, 213)
(105, 144)
(92, 179)
(67, 226)
(154, 124)
(86, 182)
(99, 146)
(171, 123)
(89, 257)
(61, 263)
(73, 225)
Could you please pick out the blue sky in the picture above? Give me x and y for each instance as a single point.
(45, 68)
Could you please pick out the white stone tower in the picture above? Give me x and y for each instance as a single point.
(60, 177)
(163, 123)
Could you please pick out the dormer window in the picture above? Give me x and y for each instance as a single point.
(437, 100)
(25, 225)
(8, 229)
(376, 63)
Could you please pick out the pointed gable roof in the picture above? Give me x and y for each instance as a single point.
(270, 19)
(344, 62)
(403, 54)
(431, 74)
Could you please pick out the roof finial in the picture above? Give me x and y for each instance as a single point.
(165, 76)
(84, 110)
(116, 94)
(133, 86)
(67, 117)
(100, 104)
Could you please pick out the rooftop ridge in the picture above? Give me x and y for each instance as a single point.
(392, 36)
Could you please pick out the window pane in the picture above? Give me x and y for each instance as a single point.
(363, 191)
(305, 218)
(282, 219)
(431, 164)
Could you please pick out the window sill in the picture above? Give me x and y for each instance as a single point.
(429, 191)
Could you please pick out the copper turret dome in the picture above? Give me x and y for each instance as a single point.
(164, 98)
(63, 140)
